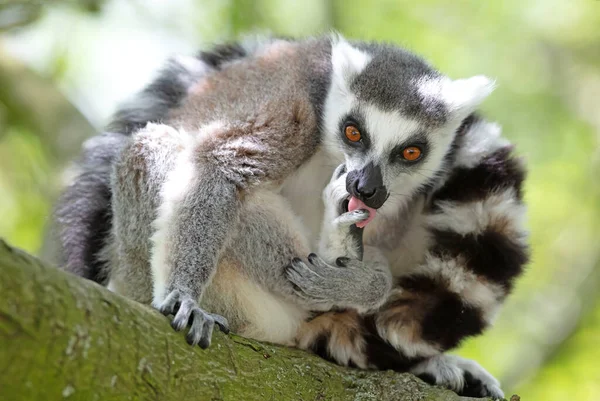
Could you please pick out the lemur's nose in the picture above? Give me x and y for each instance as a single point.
(367, 185)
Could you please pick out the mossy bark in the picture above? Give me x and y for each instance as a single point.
(62, 337)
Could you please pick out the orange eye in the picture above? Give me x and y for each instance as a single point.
(352, 133)
(411, 153)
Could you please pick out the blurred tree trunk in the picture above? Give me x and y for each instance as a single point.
(62, 337)
(34, 103)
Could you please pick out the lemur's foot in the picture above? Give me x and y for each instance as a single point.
(188, 313)
(348, 284)
(464, 376)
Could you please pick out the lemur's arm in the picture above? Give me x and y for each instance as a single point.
(343, 274)
(158, 183)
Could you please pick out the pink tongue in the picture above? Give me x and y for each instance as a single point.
(355, 204)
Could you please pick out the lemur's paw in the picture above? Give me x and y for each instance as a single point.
(308, 283)
(335, 194)
(467, 378)
(188, 313)
(348, 284)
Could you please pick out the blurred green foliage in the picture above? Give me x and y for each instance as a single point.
(545, 56)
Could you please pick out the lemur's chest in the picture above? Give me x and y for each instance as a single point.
(401, 233)
(304, 191)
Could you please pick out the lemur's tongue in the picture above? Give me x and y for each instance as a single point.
(355, 204)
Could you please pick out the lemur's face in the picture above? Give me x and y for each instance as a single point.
(394, 119)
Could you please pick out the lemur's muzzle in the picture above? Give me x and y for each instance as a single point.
(366, 184)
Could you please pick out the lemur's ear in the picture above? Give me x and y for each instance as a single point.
(462, 96)
(347, 61)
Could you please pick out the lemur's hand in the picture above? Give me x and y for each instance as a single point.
(350, 283)
(338, 277)
(339, 235)
(188, 313)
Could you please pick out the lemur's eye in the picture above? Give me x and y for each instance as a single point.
(411, 153)
(352, 133)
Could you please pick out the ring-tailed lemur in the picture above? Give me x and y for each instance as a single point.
(256, 121)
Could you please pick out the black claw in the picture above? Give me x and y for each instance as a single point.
(344, 206)
(296, 260)
(190, 338)
(342, 261)
(290, 268)
(312, 257)
(224, 329)
(175, 325)
(474, 387)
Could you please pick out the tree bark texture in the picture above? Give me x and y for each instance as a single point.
(66, 338)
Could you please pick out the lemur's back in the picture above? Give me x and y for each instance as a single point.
(216, 85)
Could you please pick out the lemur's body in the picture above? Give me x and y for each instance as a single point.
(262, 121)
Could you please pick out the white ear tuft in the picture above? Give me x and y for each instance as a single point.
(346, 60)
(462, 96)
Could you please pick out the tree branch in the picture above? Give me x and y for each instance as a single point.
(63, 337)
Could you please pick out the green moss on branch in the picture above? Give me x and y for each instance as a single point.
(62, 337)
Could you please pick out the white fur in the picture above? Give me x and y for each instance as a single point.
(401, 342)
(303, 190)
(112, 286)
(481, 140)
(268, 317)
(484, 295)
(355, 353)
(389, 128)
(346, 60)
(475, 217)
(194, 68)
(461, 96)
(392, 129)
(175, 188)
(444, 372)
(449, 371)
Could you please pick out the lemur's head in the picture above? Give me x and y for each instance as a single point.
(394, 118)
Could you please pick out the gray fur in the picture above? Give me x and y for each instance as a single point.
(258, 115)
(248, 234)
(82, 213)
(165, 93)
(389, 81)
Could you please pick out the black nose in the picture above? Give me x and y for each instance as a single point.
(367, 185)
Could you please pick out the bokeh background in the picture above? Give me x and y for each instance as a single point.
(66, 65)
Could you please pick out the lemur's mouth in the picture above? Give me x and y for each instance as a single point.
(355, 204)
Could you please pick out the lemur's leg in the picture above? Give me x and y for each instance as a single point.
(149, 179)
(201, 199)
(341, 275)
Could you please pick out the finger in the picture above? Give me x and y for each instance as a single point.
(221, 322)
(207, 331)
(316, 261)
(195, 334)
(169, 305)
(183, 315)
(338, 172)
